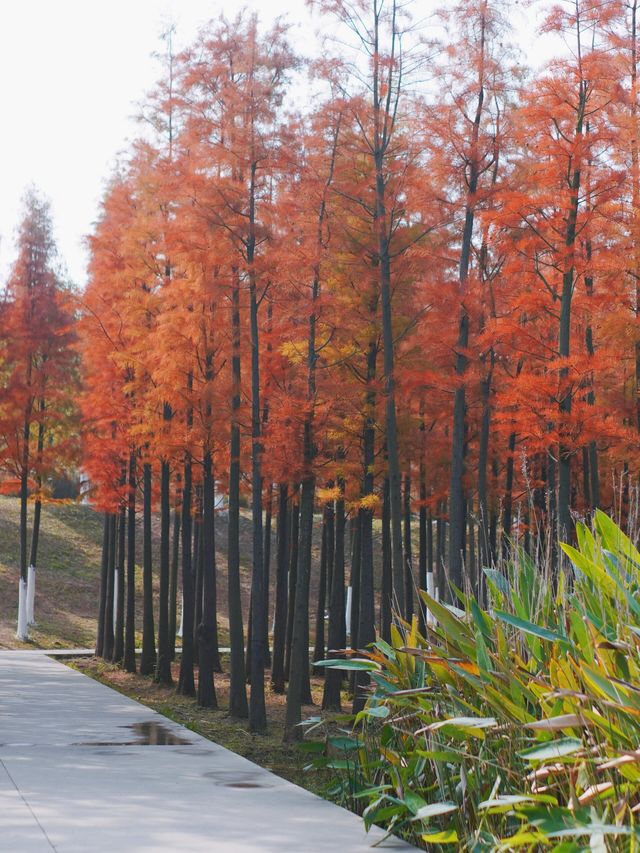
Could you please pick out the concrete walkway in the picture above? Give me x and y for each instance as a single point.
(83, 768)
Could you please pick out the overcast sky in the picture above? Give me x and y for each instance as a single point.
(71, 72)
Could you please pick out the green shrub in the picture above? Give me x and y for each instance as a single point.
(511, 727)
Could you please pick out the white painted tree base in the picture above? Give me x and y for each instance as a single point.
(23, 631)
(31, 595)
(430, 592)
(116, 585)
(181, 616)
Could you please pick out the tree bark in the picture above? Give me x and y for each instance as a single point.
(280, 619)
(238, 705)
(186, 682)
(148, 657)
(173, 582)
(129, 662)
(337, 630)
(207, 627)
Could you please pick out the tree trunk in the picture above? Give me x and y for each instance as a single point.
(268, 521)
(423, 522)
(386, 597)
(173, 583)
(207, 627)
(163, 662)
(186, 683)
(318, 645)
(148, 657)
(257, 709)
(238, 705)
(366, 605)
(507, 512)
(198, 564)
(280, 618)
(102, 601)
(107, 646)
(408, 551)
(118, 644)
(298, 689)
(129, 662)
(293, 572)
(337, 629)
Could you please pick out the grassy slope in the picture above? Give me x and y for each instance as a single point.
(68, 577)
(67, 583)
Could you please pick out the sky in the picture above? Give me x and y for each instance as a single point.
(71, 72)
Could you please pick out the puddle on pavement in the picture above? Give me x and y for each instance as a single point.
(233, 779)
(148, 733)
(155, 734)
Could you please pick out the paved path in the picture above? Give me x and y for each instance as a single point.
(87, 770)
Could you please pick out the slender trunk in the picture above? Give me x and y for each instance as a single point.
(107, 646)
(238, 705)
(186, 683)
(293, 573)
(206, 628)
(298, 689)
(173, 582)
(565, 523)
(386, 597)
(24, 492)
(354, 581)
(408, 551)
(592, 451)
(507, 511)
(118, 644)
(280, 618)
(457, 520)
(366, 605)
(163, 662)
(102, 601)
(484, 546)
(423, 523)
(37, 509)
(37, 513)
(148, 657)
(441, 558)
(197, 572)
(268, 521)
(129, 662)
(337, 630)
(257, 709)
(318, 645)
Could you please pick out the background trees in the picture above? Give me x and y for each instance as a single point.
(396, 320)
(39, 380)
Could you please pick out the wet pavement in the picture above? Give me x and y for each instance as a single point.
(83, 768)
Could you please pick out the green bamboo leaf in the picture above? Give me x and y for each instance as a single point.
(466, 722)
(552, 749)
(448, 836)
(379, 712)
(554, 724)
(352, 664)
(506, 802)
(530, 628)
(434, 810)
(347, 744)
